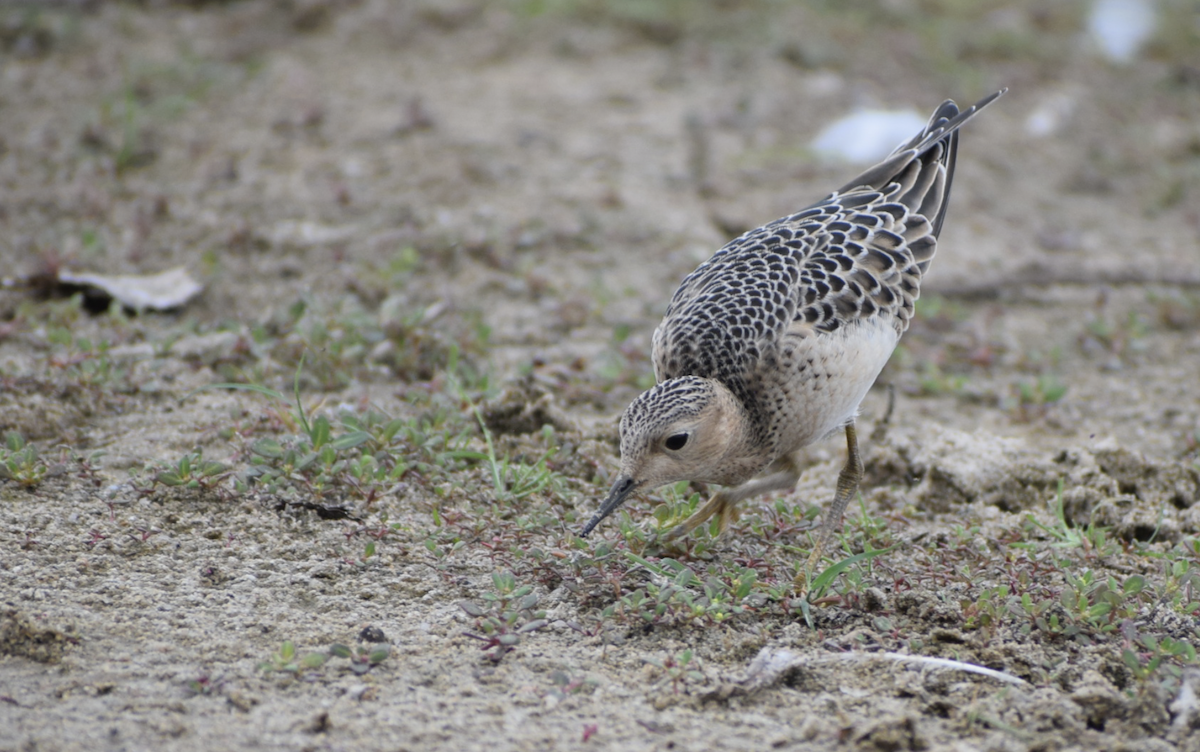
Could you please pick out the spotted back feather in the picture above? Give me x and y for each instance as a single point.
(858, 254)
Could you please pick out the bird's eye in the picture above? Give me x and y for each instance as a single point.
(676, 442)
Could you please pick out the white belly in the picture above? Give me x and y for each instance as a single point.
(826, 377)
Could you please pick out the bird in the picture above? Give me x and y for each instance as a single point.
(772, 343)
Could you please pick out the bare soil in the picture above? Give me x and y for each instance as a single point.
(528, 182)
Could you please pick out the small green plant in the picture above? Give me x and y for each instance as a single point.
(677, 669)
(680, 596)
(825, 578)
(988, 610)
(133, 151)
(1159, 655)
(1119, 338)
(516, 480)
(873, 529)
(677, 506)
(443, 544)
(363, 658)
(192, 471)
(1091, 539)
(564, 685)
(935, 381)
(344, 341)
(1033, 398)
(1045, 614)
(1101, 604)
(1181, 579)
(20, 462)
(509, 614)
(359, 455)
(84, 362)
(203, 685)
(287, 660)
(940, 313)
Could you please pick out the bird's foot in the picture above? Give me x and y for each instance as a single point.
(719, 505)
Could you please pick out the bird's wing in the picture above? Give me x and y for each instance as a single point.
(859, 253)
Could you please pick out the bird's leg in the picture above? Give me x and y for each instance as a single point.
(879, 433)
(718, 504)
(847, 487)
(724, 502)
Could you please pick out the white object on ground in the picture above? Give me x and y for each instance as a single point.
(768, 666)
(867, 135)
(154, 292)
(1051, 114)
(1121, 27)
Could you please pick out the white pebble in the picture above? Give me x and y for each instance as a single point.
(1121, 27)
(867, 135)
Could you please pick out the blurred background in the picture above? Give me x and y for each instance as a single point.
(434, 238)
(519, 186)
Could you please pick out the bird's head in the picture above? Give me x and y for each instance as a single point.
(687, 428)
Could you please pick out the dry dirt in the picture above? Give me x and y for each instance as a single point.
(551, 176)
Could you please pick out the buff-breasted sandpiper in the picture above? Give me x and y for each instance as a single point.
(773, 342)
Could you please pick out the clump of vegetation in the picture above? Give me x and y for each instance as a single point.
(189, 471)
(1117, 337)
(935, 381)
(358, 456)
(1033, 399)
(363, 658)
(1053, 596)
(20, 461)
(1180, 311)
(513, 481)
(510, 612)
(680, 669)
(679, 596)
(343, 341)
(288, 661)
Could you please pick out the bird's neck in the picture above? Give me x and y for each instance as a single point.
(742, 398)
(746, 440)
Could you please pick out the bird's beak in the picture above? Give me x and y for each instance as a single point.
(621, 491)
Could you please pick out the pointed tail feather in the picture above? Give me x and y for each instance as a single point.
(923, 166)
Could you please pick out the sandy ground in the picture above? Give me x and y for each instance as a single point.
(509, 193)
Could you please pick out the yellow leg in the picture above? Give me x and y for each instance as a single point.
(784, 473)
(718, 504)
(847, 487)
